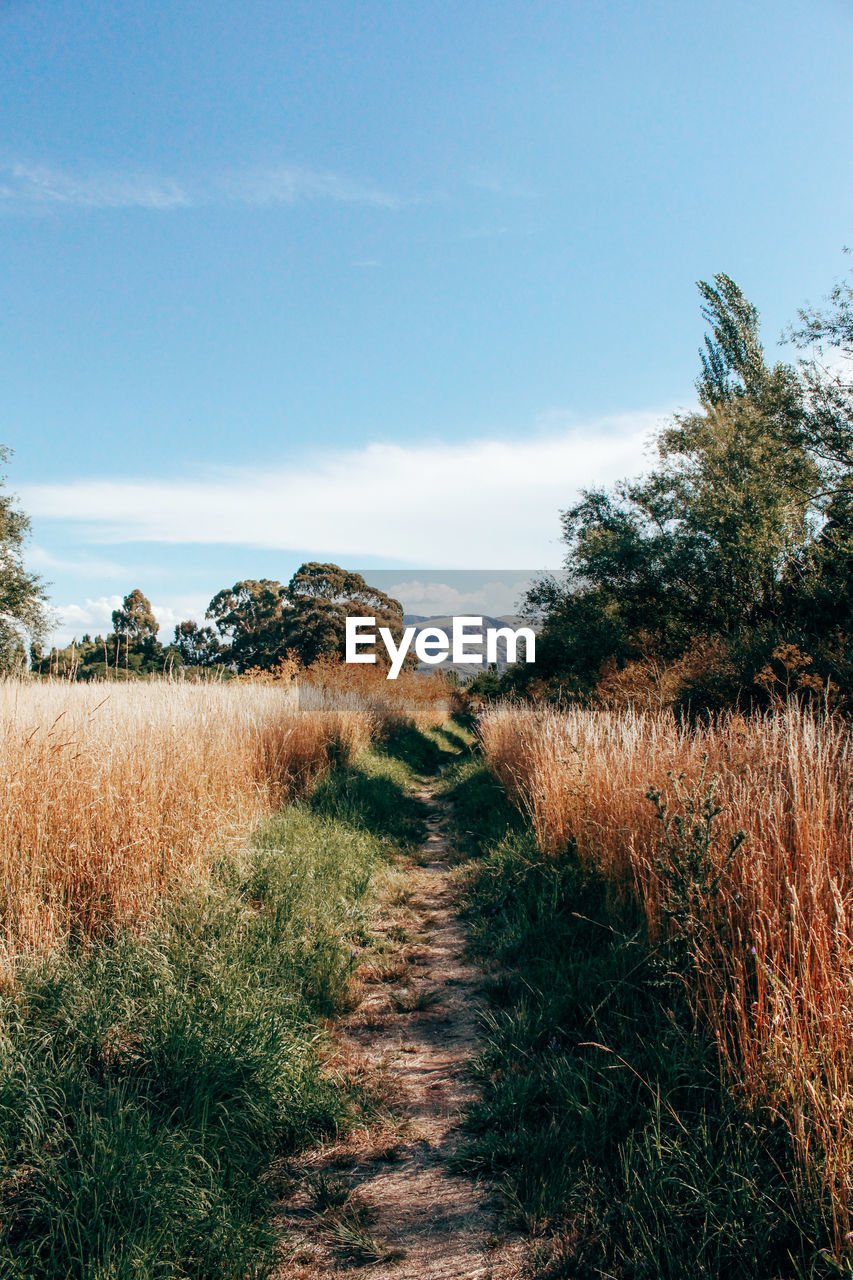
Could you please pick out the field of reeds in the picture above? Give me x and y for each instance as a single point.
(175, 938)
(735, 839)
(111, 794)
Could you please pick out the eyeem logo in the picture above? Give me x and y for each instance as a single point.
(433, 645)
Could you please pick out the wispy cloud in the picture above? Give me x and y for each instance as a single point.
(487, 503)
(31, 186)
(288, 184)
(502, 185)
(26, 184)
(92, 617)
(44, 562)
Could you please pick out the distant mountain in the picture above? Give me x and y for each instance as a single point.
(445, 623)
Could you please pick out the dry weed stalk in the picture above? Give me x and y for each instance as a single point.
(770, 931)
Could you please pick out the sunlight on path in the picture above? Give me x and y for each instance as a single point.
(407, 1215)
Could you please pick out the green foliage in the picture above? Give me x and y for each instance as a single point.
(257, 624)
(733, 360)
(254, 624)
(247, 625)
(322, 597)
(738, 541)
(23, 617)
(135, 632)
(487, 684)
(196, 646)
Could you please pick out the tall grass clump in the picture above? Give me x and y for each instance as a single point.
(735, 839)
(111, 794)
(600, 1111)
(154, 1080)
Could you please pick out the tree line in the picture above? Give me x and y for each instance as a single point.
(253, 625)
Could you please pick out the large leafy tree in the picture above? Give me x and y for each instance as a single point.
(23, 612)
(256, 623)
(196, 646)
(248, 623)
(821, 588)
(322, 597)
(135, 630)
(704, 546)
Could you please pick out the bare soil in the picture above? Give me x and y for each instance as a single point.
(386, 1202)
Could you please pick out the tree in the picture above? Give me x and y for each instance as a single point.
(23, 611)
(196, 646)
(733, 364)
(821, 589)
(703, 548)
(322, 597)
(248, 623)
(256, 623)
(135, 633)
(134, 623)
(828, 391)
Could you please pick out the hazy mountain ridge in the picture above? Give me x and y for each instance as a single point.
(444, 622)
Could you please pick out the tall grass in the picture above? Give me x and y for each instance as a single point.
(425, 699)
(736, 840)
(149, 1079)
(112, 794)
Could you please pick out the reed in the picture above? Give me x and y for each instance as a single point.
(736, 838)
(112, 794)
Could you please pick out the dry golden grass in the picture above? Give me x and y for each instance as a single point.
(112, 793)
(768, 928)
(425, 699)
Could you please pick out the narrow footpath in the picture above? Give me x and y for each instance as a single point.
(386, 1201)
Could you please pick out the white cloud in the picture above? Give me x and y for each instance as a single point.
(484, 503)
(95, 617)
(502, 185)
(286, 184)
(42, 560)
(40, 185)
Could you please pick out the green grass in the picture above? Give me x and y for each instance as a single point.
(601, 1112)
(147, 1083)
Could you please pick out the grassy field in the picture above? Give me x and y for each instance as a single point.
(113, 795)
(668, 1071)
(176, 942)
(661, 913)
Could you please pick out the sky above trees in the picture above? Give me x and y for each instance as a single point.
(384, 284)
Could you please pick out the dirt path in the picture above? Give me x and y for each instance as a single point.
(386, 1203)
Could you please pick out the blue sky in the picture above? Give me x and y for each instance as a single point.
(382, 283)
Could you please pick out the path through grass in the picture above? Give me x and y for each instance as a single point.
(389, 1200)
(277, 1079)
